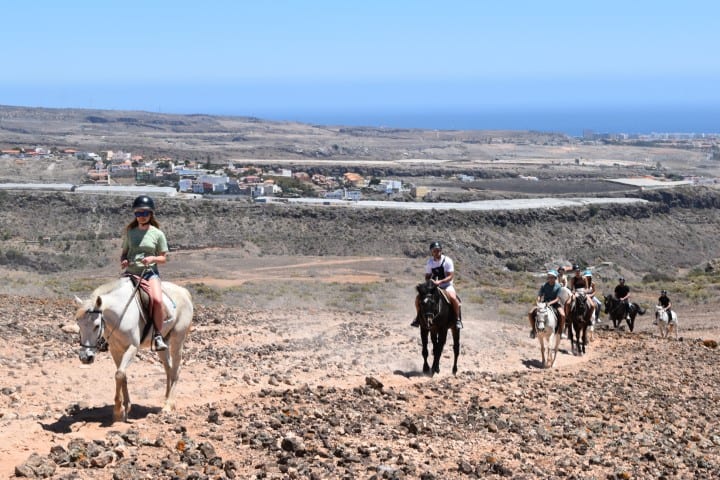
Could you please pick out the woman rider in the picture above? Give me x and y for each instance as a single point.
(577, 285)
(145, 247)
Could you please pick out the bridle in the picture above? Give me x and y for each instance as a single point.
(101, 344)
(434, 297)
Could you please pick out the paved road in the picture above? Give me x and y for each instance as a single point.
(515, 204)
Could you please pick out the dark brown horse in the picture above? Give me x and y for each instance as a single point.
(618, 310)
(436, 317)
(578, 323)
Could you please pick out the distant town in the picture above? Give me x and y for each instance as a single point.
(117, 168)
(125, 168)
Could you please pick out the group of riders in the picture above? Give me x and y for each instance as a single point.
(560, 291)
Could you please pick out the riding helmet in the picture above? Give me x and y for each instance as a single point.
(621, 279)
(663, 292)
(587, 273)
(143, 202)
(576, 267)
(435, 245)
(552, 273)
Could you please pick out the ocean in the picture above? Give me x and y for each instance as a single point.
(680, 120)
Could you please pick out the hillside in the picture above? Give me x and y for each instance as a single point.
(56, 231)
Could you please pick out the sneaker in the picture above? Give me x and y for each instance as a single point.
(415, 323)
(159, 344)
(458, 324)
(563, 336)
(533, 334)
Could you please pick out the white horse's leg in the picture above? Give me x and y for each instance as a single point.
(542, 347)
(557, 347)
(172, 360)
(122, 396)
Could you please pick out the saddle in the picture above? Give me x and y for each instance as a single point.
(146, 303)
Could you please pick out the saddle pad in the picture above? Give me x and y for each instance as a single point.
(443, 294)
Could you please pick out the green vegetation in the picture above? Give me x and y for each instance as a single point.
(205, 292)
(293, 185)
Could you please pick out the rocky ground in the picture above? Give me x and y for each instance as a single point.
(297, 393)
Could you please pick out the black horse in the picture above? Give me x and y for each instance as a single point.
(436, 317)
(618, 310)
(578, 323)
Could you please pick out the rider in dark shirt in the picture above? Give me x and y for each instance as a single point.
(664, 301)
(622, 293)
(578, 284)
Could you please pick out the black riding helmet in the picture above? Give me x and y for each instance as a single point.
(435, 245)
(143, 202)
(663, 292)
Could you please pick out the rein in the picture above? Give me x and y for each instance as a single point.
(438, 303)
(100, 342)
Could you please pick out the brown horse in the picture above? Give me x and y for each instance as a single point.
(618, 310)
(436, 318)
(578, 323)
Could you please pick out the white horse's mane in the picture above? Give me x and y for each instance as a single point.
(101, 290)
(107, 287)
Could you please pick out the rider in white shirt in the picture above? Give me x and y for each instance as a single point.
(441, 270)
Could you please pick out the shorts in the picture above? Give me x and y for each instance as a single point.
(449, 288)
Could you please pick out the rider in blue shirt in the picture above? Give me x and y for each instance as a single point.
(548, 293)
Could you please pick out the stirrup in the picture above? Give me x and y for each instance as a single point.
(159, 343)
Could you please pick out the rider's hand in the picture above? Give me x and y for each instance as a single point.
(146, 261)
(124, 263)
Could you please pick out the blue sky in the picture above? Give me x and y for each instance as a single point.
(294, 58)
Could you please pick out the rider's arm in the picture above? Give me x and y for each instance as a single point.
(448, 277)
(158, 259)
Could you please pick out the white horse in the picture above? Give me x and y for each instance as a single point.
(114, 315)
(665, 325)
(545, 325)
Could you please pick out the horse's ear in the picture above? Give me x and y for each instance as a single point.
(98, 302)
(78, 300)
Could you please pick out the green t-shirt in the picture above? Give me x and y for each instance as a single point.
(143, 243)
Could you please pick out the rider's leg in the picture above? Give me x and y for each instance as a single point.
(157, 313)
(416, 320)
(456, 306)
(561, 323)
(531, 319)
(598, 309)
(591, 306)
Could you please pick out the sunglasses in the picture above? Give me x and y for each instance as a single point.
(143, 213)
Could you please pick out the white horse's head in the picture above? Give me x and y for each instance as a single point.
(90, 322)
(541, 317)
(661, 314)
